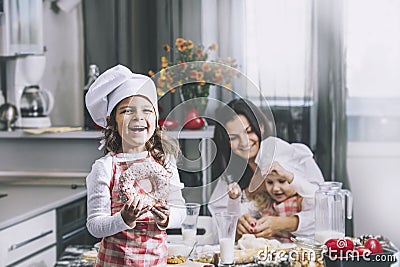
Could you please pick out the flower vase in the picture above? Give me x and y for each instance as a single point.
(196, 95)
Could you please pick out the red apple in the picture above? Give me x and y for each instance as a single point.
(195, 123)
(191, 114)
(373, 245)
(340, 244)
(192, 120)
(168, 124)
(361, 250)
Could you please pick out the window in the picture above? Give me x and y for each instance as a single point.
(373, 65)
(277, 47)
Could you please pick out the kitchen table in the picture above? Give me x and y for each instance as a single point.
(72, 257)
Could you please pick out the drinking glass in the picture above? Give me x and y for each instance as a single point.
(226, 224)
(189, 225)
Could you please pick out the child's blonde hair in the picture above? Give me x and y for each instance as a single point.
(159, 145)
(263, 200)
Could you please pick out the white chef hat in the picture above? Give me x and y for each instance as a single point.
(114, 85)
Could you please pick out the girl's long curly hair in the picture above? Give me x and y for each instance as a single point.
(159, 145)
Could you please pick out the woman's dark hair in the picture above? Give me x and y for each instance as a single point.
(226, 161)
(159, 145)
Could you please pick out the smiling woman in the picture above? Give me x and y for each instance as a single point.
(257, 154)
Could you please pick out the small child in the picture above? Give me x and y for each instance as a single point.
(132, 230)
(277, 198)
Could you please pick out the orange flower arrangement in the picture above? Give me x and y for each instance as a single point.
(192, 67)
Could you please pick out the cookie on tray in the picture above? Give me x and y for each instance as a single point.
(176, 259)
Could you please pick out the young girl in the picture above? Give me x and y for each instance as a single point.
(278, 199)
(132, 231)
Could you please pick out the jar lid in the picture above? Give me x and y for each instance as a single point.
(307, 243)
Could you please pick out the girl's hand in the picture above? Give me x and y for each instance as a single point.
(133, 209)
(160, 212)
(277, 169)
(268, 226)
(234, 190)
(246, 225)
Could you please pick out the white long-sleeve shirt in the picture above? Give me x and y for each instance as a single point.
(296, 158)
(100, 222)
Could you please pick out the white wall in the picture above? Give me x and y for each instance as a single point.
(374, 175)
(64, 75)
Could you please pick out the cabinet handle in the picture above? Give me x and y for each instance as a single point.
(23, 243)
(68, 235)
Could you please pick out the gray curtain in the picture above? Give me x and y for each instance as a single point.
(332, 130)
(133, 32)
(331, 153)
(105, 39)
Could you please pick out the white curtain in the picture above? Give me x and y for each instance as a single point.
(277, 45)
(222, 22)
(273, 43)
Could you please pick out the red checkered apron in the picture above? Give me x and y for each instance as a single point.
(285, 208)
(145, 245)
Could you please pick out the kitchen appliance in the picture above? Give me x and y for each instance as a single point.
(23, 74)
(330, 209)
(71, 226)
(35, 106)
(21, 51)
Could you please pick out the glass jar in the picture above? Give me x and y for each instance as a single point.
(330, 211)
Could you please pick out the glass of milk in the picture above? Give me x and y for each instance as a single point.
(189, 225)
(226, 223)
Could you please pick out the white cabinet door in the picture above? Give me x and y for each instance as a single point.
(46, 258)
(28, 237)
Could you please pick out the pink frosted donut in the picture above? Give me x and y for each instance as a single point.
(147, 179)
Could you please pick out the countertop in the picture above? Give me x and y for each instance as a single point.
(26, 201)
(206, 132)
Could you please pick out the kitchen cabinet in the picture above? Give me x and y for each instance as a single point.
(21, 27)
(19, 243)
(28, 221)
(44, 258)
